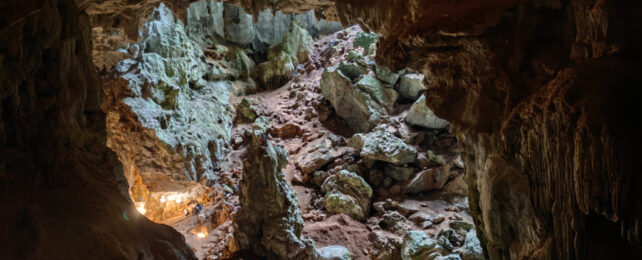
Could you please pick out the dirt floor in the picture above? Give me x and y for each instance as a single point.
(295, 111)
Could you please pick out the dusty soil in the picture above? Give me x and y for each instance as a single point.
(295, 111)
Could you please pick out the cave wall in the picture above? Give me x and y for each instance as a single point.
(539, 94)
(62, 190)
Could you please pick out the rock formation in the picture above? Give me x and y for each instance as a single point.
(269, 222)
(64, 192)
(537, 93)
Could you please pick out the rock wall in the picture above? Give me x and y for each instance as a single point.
(63, 191)
(539, 94)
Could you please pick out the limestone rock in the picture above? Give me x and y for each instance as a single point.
(318, 153)
(205, 22)
(348, 193)
(399, 173)
(417, 246)
(384, 74)
(334, 253)
(163, 118)
(449, 239)
(437, 159)
(386, 97)
(238, 24)
(411, 86)
(421, 115)
(383, 146)
(427, 180)
(352, 70)
(284, 58)
(357, 107)
(472, 250)
(246, 110)
(269, 221)
(365, 40)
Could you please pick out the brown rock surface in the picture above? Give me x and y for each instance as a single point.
(63, 192)
(538, 93)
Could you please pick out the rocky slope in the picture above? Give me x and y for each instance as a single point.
(537, 93)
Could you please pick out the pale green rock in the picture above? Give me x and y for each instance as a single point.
(399, 173)
(436, 158)
(348, 193)
(356, 106)
(428, 180)
(284, 58)
(383, 146)
(386, 97)
(334, 253)
(365, 40)
(411, 86)
(190, 117)
(246, 110)
(421, 115)
(352, 70)
(384, 74)
(417, 246)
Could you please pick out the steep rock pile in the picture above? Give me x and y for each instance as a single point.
(550, 156)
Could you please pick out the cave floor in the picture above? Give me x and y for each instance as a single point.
(300, 103)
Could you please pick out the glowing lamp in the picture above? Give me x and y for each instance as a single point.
(200, 235)
(162, 199)
(141, 209)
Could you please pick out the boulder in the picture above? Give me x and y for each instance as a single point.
(427, 180)
(318, 153)
(386, 97)
(421, 115)
(383, 146)
(436, 159)
(417, 246)
(387, 76)
(399, 173)
(246, 110)
(334, 253)
(357, 107)
(352, 70)
(472, 248)
(348, 193)
(284, 58)
(449, 239)
(411, 86)
(365, 41)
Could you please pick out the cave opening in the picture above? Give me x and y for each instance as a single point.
(370, 165)
(116, 116)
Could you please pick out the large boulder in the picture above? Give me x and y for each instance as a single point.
(383, 146)
(269, 221)
(385, 96)
(284, 58)
(334, 253)
(362, 105)
(205, 22)
(411, 86)
(427, 180)
(384, 74)
(472, 249)
(421, 115)
(417, 246)
(318, 153)
(347, 193)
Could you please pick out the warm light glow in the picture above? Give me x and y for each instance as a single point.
(200, 235)
(163, 199)
(171, 197)
(178, 199)
(141, 209)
